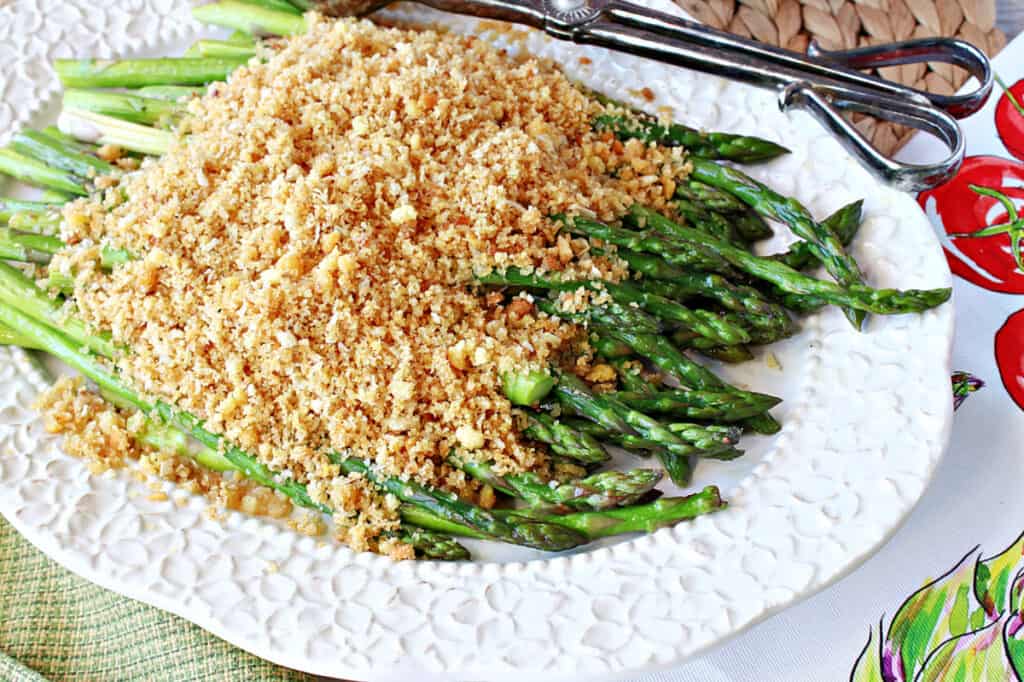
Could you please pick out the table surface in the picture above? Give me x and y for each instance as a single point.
(1011, 16)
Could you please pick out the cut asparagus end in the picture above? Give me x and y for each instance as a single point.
(527, 389)
(99, 129)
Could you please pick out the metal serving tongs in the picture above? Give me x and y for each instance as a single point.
(826, 86)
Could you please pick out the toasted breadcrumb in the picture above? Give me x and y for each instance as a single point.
(306, 257)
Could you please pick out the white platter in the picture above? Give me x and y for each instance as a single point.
(866, 417)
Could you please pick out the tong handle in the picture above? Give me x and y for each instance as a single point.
(825, 88)
(949, 50)
(902, 176)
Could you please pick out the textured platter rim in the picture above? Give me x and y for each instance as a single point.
(562, 574)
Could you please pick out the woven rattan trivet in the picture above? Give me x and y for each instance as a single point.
(844, 24)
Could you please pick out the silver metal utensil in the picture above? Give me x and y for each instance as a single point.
(826, 84)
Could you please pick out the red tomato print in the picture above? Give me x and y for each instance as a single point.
(957, 209)
(1010, 356)
(1010, 119)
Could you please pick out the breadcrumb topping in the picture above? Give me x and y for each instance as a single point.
(305, 253)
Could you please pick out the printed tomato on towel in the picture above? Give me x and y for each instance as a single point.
(978, 210)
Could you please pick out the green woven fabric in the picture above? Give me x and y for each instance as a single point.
(57, 626)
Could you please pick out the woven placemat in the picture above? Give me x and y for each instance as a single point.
(57, 627)
(845, 24)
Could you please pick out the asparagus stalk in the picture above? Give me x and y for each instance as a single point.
(728, 354)
(47, 223)
(27, 248)
(225, 48)
(563, 440)
(675, 454)
(604, 490)
(610, 314)
(57, 154)
(881, 301)
(698, 404)
(738, 148)
(138, 73)
(666, 357)
(702, 322)
(21, 293)
(171, 93)
(704, 436)
(37, 173)
(11, 207)
(539, 534)
(9, 337)
(253, 19)
(843, 222)
(125, 106)
(643, 518)
(165, 416)
(823, 241)
(630, 375)
(608, 347)
(101, 129)
(282, 5)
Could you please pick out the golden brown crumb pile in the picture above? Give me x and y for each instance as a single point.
(306, 254)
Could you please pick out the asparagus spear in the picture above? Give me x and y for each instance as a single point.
(225, 48)
(138, 73)
(704, 436)
(716, 225)
(9, 337)
(64, 348)
(630, 376)
(608, 347)
(125, 106)
(37, 173)
(728, 354)
(252, 19)
(823, 241)
(881, 301)
(539, 535)
(609, 314)
(563, 440)
(739, 148)
(21, 293)
(843, 222)
(674, 453)
(698, 404)
(687, 283)
(11, 207)
(643, 518)
(47, 223)
(171, 93)
(282, 5)
(666, 357)
(101, 129)
(27, 248)
(604, 490)
(701, 322)
(57, 154)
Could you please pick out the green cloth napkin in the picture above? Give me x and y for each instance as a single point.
(57, 626)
